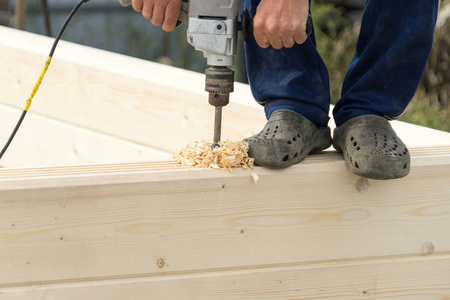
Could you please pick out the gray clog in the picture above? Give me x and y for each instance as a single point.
(287, 139)
(371, 148)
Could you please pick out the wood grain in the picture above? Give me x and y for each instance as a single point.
(419, 278)
(120, 223)
(43, 141)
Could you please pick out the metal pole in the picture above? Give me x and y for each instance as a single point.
(20, 14)
(45, 14)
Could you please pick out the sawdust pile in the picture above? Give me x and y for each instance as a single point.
(228, 155)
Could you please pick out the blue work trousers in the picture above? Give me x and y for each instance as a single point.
(392, 51)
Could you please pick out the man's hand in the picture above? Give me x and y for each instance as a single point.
(162, 12)
(281, 23)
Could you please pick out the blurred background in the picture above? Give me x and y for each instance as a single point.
(104, 24)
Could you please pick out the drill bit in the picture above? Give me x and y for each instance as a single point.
(217, 126)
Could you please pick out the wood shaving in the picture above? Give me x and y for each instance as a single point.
(255, 177)
(228, 155)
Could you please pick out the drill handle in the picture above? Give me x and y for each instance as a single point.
(246, 25)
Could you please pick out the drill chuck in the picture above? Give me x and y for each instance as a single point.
(219, 85)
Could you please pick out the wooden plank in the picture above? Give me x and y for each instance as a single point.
(121, 223)
(43, 141)
(419, 278)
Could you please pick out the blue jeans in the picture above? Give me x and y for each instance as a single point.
(391, 54)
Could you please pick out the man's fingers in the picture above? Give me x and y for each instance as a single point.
(159, 11)
(281, 22)
(147, 11)
(276, 43)
(264, 41)
(288, 42)
(260, 32)
(261, 40)
(137, 5)
(300, 36)
(171, 17)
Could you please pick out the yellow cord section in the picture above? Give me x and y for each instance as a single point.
(38, 83)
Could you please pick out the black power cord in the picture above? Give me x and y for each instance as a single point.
(38, 83)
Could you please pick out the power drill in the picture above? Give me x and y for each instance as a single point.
(212, 27)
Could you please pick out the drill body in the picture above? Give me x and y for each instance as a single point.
(212, 27)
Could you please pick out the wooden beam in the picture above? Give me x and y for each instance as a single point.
(93, 222)
(44, 141)
(419, 278)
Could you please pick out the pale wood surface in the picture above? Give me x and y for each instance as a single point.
(43, 141)
(396, 278)
(82, 224)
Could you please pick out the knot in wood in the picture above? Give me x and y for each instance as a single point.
(427, 248)
(160, 263)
